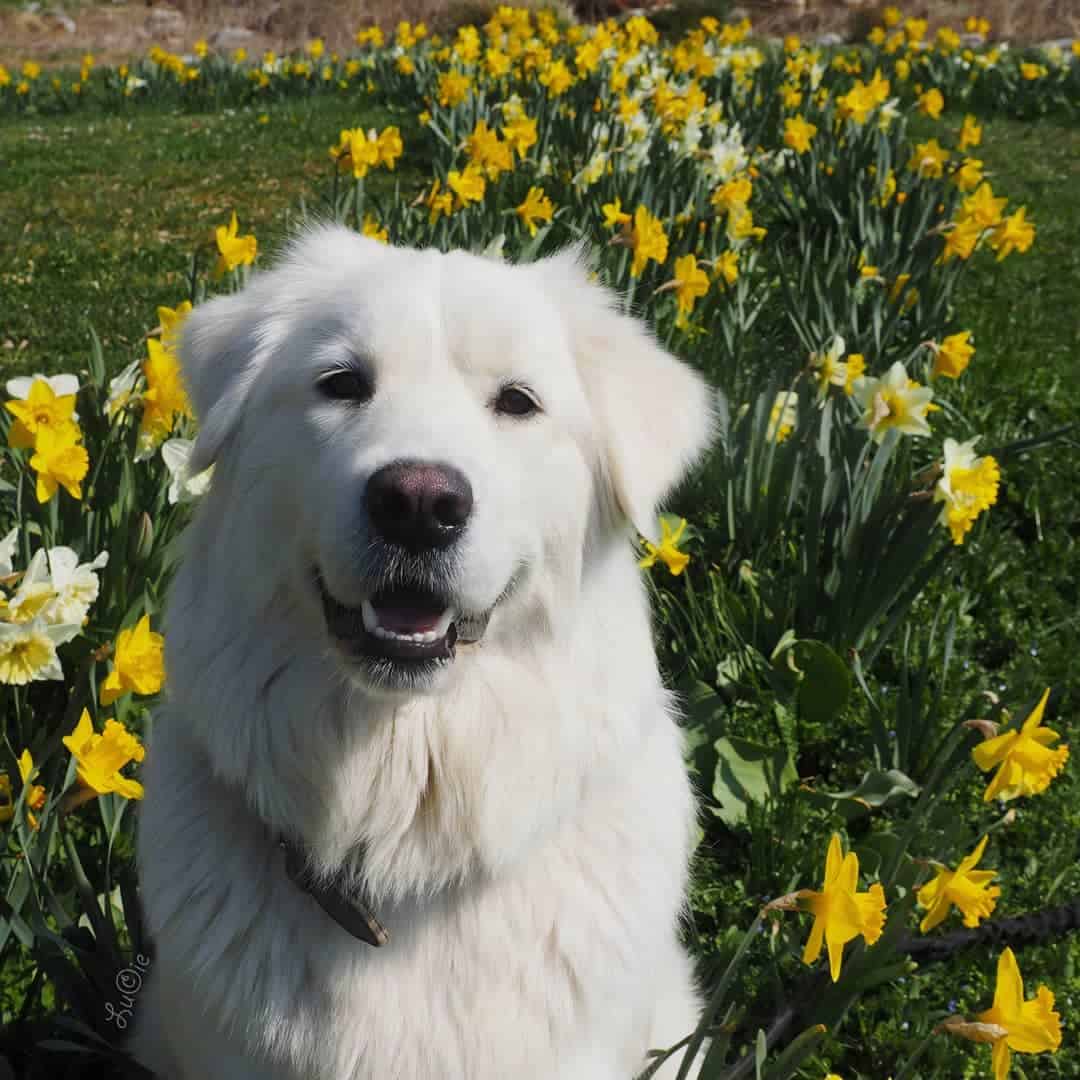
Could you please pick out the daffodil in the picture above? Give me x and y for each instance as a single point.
(234, 250)
(931, 103)
(667, 551)
(830, 369)
(535, 207)
(970, 133)
(614, 215)
(172, 320)
(1028, 1027)
(468, 186)
(982, 208)
(648, 239)
(783, 417)
(966, 888)
(59, 460)
(138, 664)
(798, 133)
(99, 758)
(35, 793)
(42, 409)
(726, 267)
(841, 914)
(928, 159)
(28, 651)
(691, 283)
(953, 355)
(183, 487)
(968, 485)
(893, 402)
(962, 239)
(164, 399)
(1014, 233)
(1026, 764)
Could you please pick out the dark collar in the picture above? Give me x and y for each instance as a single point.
(346, 909)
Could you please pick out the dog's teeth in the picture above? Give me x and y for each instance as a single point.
(441, 627)
(371, 619)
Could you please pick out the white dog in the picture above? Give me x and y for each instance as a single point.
(409, 642)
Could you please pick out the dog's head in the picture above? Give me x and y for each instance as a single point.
(423, 450)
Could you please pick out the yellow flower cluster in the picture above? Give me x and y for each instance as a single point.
(46, 422)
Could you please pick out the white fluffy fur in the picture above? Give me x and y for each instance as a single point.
(526, 819)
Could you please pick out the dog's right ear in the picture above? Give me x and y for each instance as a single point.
(218, 350)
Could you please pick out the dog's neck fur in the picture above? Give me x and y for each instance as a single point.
(401, 781)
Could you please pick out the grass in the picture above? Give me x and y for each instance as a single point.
(97, 225)
(102, 214)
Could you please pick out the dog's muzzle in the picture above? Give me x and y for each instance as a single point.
(403, 625)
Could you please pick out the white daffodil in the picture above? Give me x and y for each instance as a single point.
(831, 369)
(782, 417)
(28, 651)
(893, 401)
(7, 551)
(56, 588)
(122, 387)
(183, 488)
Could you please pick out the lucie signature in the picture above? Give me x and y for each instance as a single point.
(128, 982)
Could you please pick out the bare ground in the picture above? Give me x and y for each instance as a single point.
(114, 32)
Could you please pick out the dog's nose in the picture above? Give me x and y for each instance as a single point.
(419, 506)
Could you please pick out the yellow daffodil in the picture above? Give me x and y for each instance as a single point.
(648, 239)
(953, 355)
(41, 410)
(35, 793)
(667, 551)
(614, 216)
(138, 664)
(99, 758)
(1028, 1027)
(969, 176)
(931, 103)
(893, 401)
(520, 134)
(1026, 764)
(691, 283)
(372, 229)
(970, 133)
(438, 202)
(968, 485)
(468, 186)
(726, 267)
(1013, 234)
(536, 207)
(164, 399)
(59, 460)
(928, 159)
(172, 320)
(965, 887)
(982, 208)
(962, 239)
(234, 250)
(841, 914)
(798, 133)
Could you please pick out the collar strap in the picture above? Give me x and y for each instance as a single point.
(349, 912)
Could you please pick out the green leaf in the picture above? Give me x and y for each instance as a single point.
(748, 772)
(826, 683)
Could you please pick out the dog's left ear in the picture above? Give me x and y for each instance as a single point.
(655, 413)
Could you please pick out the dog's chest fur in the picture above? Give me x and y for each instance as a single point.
(521, 943)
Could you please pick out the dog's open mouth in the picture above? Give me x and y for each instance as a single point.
(402, 624)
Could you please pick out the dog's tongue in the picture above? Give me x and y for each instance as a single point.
(405, 619)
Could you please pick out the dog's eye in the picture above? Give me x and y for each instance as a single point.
(347, 385)
(513, 401)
